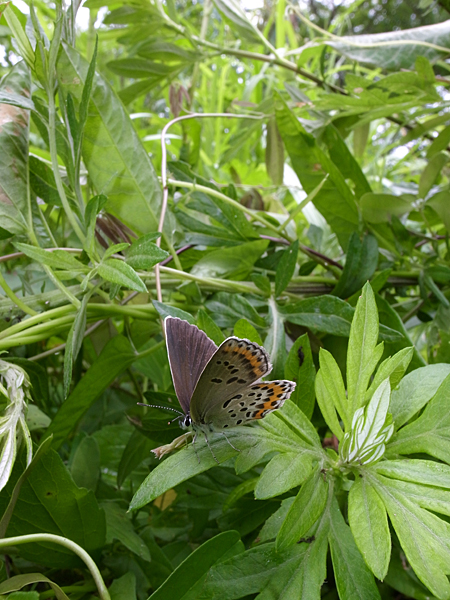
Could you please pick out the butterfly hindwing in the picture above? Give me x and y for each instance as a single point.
(236, 365)
(251, 403)
(189, 350)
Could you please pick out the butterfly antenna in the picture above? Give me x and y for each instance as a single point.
(163, 407)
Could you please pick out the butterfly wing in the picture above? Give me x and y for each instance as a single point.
(235, 365)
(251, 403)
(189, 350)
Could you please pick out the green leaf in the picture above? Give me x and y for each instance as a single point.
(57, 259)
(206, 324)
(244, 329)
(192, 571)
(415, 390)
(424, 538)
(360, 265)
(137, 449)
(286, 268)
(15, 212)
(274, 153)
(144, 253)
(43, 183)
(165, 310)
(262, 282)
(50, 502)
(85, 464)
(300, 368)
(119, 527)
(116, 271)
(115, 357)
(20, 36)
(326, 401)
(17, 582)
(403, 580)
(74, 342)
(428, 433)
(368, 521)
(232, 11)
(363, 353)
(323, 313)
(375, 49)
(123, 588)
(284, 472)
(431, 172)
(117, 162)
(394, 368)
(306, 509)
(379, 208)
(333, 381)
(229, 308)
(93, 207)
(335, 200)
(235, 262)
(353, 578)
(424, 472)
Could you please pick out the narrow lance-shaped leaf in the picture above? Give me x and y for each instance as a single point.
(286, 267)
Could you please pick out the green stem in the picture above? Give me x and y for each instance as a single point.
(151, 350)
(195, 187)
(62, 541)
(34, 320)
(17, 301)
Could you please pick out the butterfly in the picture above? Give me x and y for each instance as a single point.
(220, 387)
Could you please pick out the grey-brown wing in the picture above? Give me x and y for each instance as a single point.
(189, 350)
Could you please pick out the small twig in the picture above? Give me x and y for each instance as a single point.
(178, 252)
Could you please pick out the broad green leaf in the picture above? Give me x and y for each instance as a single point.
(206, 324)
(119, 527)
(323, 313)
(165, 310)
(286, 267)
(425, 472)
(404, 47)
(117, 271)
(50, 502)
(235, 262)
(246, 487)
(17, 582)
(424, 538)
(326, 400)
(15, 211)
(353, 578)
(332, 380)
(117, 163)
(363, 353)
(431, 173)
(284, 472)
(274, 153)
(144, 253)
(123, 588)
(403, 580)
(305, 510)
(115, 357)
(275, 342)
(368, 521)
(379, 208)
(244, 329)
(229, 308)
(255, 570)
(43, 182)
(57, 259)
(394, 368)
(415, 390)
(85, 464)
(300, 368)
(360, 265)
(194, 569)
(335, 200)
(272, 526)
(428, 433)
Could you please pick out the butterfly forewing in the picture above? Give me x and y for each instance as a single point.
(236, 365)
(251, 403)
(189, 350)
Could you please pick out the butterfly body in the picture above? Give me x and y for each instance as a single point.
(220, 387)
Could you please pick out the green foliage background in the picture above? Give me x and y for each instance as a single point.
(310, 157)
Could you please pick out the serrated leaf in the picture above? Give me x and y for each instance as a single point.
(57, 259)
(117, 271)
(144, 253)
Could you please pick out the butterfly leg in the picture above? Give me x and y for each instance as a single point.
(214, 456)
(195, 449)
(234, 448)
